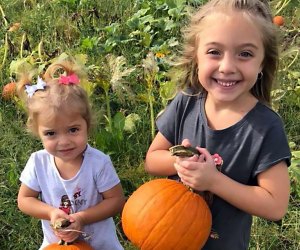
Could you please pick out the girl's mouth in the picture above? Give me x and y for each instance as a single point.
(226, 83)
(66, 150)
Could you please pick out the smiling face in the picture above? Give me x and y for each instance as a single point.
(229, 56)
(65, 136)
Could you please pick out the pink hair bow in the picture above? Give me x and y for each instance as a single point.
(70, 79)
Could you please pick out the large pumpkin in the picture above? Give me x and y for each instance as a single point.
(164, 214)
(77, 245)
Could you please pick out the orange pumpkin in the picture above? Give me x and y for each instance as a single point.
(164, 214)
(9, 91)
(278, 20)
(77, 245)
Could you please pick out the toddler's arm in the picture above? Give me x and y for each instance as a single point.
(29, 203)
(112, 204)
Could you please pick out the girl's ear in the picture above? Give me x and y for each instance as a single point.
(261, 68)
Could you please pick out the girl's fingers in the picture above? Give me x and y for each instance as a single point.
(186, 143)
(201, 158)
(205, 155)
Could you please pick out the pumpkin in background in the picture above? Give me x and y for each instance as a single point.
(77, 245)
(278, 20)
(164, 214)
(9, 91)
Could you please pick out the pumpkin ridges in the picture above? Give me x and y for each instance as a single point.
(181, 227)
(138, 224)
(202, 232)
(162, 210)
(164, 229)
(194, 235)
(195, 207)
(141, 205)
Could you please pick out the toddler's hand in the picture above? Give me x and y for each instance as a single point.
(73, 231)
(57, 215)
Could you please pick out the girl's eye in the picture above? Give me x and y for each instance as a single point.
(246, 54)
(213, 52)
(49, 133)
(73, 130)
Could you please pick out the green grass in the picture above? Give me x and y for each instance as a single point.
(95, 29)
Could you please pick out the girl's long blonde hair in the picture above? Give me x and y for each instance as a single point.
(258, 11)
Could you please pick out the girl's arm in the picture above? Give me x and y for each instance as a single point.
(112, 204)
(158, 158)
(29, 204)
(269, 199)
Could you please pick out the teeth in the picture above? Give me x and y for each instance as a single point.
(227, 84)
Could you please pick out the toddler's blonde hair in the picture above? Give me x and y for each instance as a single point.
(55, 97)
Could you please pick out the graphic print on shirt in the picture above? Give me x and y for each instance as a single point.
(65, 204)
(68, 205)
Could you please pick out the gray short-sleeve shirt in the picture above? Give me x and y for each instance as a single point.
(252, 145)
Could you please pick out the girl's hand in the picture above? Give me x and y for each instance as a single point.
(73, 231)
(197, 172)
(58, 214)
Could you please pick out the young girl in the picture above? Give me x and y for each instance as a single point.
(229, 62)
(68, 179)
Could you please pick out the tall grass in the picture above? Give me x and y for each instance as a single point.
(130, 28)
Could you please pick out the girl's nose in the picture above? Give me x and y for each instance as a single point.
(64, 140)
(227, 64)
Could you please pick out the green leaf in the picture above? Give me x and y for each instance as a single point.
(167, 91)
(147, 39)
(296, 154)
(130, 122)
(118, 125)
(175, 3)
(112, 29)
(20, 65)
(87, 43)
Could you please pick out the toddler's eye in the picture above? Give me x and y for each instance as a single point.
(49, 133)
(73, 130)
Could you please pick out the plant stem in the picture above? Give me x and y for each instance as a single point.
(108, 112)
(5, 50)
(40, 50)
(152, 121)
(3, 16)
(22, 45)
(284, 4)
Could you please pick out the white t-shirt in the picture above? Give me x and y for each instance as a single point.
(96, 175)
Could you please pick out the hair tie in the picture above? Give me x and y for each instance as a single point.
(31, 89)
(70, 79)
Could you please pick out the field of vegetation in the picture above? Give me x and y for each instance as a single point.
(126, 47)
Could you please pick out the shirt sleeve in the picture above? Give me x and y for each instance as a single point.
(107, 177)
(275, 148)
(29, 175)
(167, 122)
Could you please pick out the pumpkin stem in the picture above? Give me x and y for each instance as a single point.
(63, 243)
